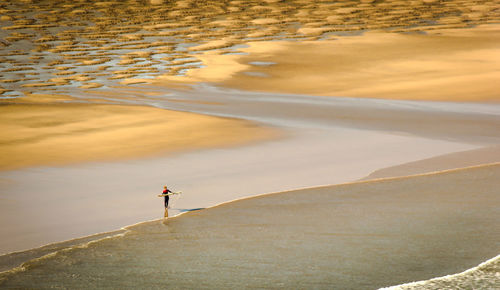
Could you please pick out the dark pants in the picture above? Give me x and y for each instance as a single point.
(166, 201)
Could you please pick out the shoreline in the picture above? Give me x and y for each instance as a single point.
(325, 151)
(117, 202)
(130, 228)
(63, 245)
(466, 274)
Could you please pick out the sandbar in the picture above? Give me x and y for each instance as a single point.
(440, 65)
(56, 133)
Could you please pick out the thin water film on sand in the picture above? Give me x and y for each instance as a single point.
(60, 45)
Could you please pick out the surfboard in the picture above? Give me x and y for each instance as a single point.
(172, 193)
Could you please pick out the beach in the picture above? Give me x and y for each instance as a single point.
(59, 134)
(380, 65)
(317, 145)
(360, 235)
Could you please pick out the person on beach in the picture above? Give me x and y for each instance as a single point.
(166, 191)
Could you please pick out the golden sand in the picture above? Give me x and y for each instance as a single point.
(38, 34)
(64, 133)
(444, 65)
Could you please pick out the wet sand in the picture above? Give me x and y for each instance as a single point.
(361, 235)
(325, 141)
(440, 65)
(59, 46)
(39, 131)
(93, 71)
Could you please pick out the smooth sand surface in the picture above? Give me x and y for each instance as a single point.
(441, 65)
(473, 123)
(361, 235)
(326, 141)
(47, 133)
(121, 193)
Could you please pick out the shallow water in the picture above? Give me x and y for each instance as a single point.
(318, 148)
(356, 236)
(484, 276)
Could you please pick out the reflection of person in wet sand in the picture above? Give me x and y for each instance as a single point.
(166, 197)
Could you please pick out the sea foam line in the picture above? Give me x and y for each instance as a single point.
(450, 277)
(25, 265)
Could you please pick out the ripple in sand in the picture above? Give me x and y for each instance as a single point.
(67, 31)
